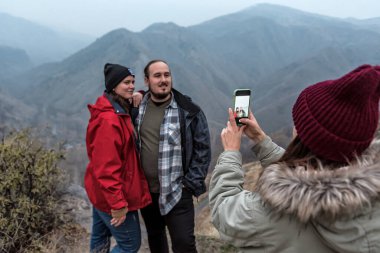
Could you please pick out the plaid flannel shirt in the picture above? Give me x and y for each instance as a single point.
(170, 171)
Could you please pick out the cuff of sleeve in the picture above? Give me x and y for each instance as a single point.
(117, 202)
(259, 145)
(229, 156)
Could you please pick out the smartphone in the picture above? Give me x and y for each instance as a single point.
(242, 99)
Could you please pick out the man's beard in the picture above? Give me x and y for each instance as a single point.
(160, 96)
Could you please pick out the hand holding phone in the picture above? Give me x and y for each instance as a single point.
(242, 99)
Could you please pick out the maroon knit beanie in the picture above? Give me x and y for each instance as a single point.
(337, 119)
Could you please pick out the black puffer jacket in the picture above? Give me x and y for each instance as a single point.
(195, 138)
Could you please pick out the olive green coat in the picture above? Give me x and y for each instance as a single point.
(298, 210)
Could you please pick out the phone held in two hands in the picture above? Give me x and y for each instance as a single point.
(242, 99)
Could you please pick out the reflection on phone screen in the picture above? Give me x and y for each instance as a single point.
(241, 106)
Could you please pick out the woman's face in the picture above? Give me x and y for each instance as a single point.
(126, 87)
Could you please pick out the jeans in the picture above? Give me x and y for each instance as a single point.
(179, 221)
(127, 235)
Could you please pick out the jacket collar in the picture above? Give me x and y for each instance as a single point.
(116, 106)
(330, 194)
(185, 103)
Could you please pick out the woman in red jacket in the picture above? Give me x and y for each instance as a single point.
(114, 180)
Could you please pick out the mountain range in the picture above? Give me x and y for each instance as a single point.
(42, 44)
(273, 50)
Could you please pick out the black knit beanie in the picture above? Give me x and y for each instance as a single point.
(114, 74)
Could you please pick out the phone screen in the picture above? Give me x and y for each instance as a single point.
(241, 105)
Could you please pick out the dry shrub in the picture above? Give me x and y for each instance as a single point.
(28, 192)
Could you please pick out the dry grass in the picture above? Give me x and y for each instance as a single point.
(252, 173)
(69, 238)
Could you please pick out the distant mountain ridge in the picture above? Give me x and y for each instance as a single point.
(42, 44)
(275, 51)
(13, 61)
(370, 23)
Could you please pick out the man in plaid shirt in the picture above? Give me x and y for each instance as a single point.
(175, 155)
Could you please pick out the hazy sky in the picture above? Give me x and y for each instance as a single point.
(96, 17)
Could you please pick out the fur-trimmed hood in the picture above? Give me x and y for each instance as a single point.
(323, 194)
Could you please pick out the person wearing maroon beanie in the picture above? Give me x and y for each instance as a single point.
(321, 194)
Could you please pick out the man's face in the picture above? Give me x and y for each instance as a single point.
(159, 81)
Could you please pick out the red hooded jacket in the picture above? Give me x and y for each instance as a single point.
(114, 178)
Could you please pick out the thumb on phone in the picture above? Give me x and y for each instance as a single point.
(253, 129)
